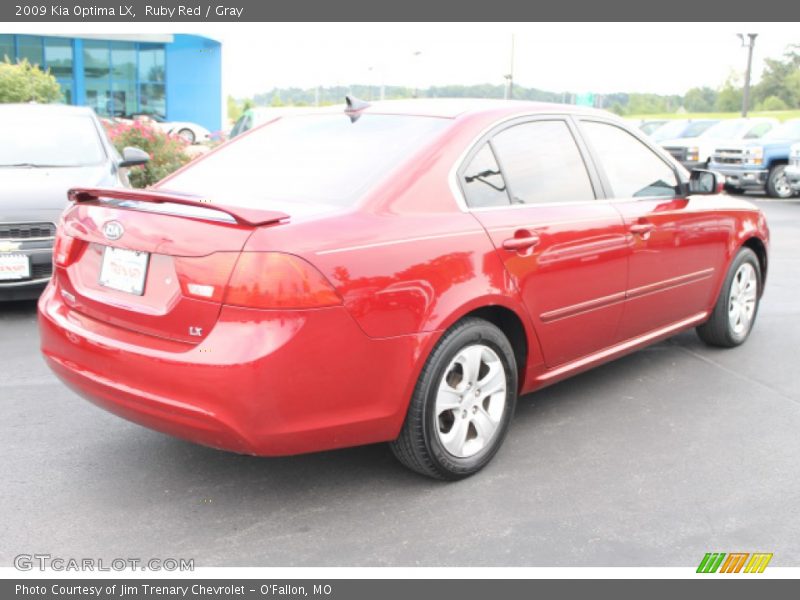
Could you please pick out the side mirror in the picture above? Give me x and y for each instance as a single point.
(132, 157)
(705, 182)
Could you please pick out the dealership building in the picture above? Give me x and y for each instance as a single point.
(175, 76)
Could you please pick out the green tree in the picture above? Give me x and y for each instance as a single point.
(24, 82)
(772, 103)
(700, 99)
(729, 98)
(233, 109)
(781, 78)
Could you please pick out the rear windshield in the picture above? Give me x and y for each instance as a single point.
(324, 159)
(39, 139)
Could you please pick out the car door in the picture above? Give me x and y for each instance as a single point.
(675, 243)
(528, 185)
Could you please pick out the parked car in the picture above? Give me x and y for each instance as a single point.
(760, 164)
(694, 152)
(793, 168)
(191, 132)
(400, 273)
(46, 150)
(649, 126)
(677, 129)
(253, 117)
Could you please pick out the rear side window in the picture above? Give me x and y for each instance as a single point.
(323, 159)
(632, 169)
(542, 163)
(483, 182)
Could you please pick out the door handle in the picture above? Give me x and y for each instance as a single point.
(642, 228)
(523, 242)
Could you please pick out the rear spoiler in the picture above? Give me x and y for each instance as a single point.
(252, 217)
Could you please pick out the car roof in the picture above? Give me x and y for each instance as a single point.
(35, 108)
(451, 108)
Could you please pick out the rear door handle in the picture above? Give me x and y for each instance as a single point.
(523, 242)
(642, 228)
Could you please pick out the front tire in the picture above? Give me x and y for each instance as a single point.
(462, 405)
(737, 306)
(777, 184)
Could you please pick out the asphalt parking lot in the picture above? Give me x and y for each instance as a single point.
(652, 460)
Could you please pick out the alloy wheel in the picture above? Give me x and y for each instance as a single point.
(742, 299)
(470, 401)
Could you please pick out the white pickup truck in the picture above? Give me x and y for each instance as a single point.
(695, 152)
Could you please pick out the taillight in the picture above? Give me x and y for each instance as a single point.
(206, 276)
(65, 249)
(278, 280)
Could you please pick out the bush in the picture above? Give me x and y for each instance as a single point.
(24, 82)
(773, 103)
(167, 152)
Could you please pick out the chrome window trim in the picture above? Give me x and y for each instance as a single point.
(461, 201)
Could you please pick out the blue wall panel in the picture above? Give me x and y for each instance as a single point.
(194, 81)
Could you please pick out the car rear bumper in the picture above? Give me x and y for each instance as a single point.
(742, 177)
(22, 290)
(262, 382)
(39, 255)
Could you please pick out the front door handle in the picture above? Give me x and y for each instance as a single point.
(525, 240)
(642, 229)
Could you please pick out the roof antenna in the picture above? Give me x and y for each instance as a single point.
(354, 107)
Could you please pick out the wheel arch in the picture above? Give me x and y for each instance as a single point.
(757, 245)
(512, 320)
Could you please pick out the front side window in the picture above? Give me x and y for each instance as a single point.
(483, 182)
(632, 169)
(542, 163)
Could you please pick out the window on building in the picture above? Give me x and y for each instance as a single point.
(30, 47)
(123, 78)
(542, 163)
(152, 68)
(97, 76)
(59, 59)
(7, 47)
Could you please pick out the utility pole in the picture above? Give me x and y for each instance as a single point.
(509, 95)
(749, 44)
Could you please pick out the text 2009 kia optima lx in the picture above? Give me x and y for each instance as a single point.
(397, 272)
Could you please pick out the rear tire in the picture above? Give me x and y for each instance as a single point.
(777, 184)
(187, 135)
(462, 404)
(737, 306)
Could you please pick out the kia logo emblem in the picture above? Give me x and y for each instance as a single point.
(113, 230)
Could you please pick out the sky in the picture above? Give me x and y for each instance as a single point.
(663, 58)
(600, 58)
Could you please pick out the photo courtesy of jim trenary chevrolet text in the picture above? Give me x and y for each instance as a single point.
(369, 299)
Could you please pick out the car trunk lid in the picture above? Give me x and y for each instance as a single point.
(153, 262)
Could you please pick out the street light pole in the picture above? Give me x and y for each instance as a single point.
(749, 44)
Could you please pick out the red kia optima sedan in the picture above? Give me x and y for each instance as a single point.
(397, 272)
